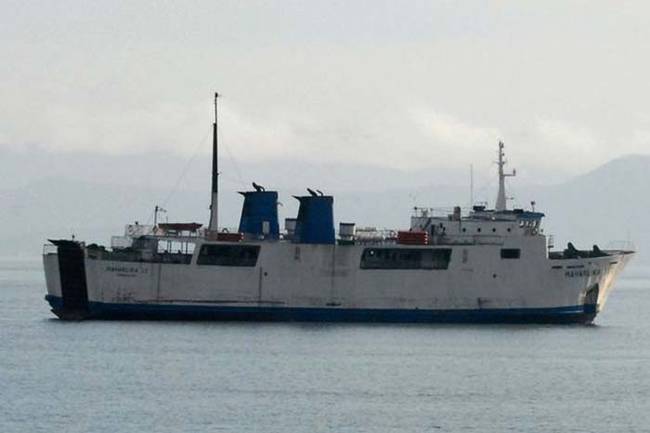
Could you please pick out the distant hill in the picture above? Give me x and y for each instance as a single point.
(94, 201)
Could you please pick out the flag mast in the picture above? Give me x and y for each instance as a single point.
(214, 203)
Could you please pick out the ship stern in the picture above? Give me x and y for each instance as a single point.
(65, 278)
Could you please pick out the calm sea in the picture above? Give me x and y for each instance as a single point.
(203, 377)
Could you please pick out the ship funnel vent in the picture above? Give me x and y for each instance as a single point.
(315, 222)
(259, 215)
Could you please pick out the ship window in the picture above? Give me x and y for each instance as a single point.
(228, 255)
(510, 253)
(478, 230)
(405, 258)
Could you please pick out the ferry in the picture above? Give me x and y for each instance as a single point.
(487, 265)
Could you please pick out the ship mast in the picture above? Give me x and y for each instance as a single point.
(214, 204)
(501, 196)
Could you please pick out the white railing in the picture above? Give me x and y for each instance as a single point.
(432, 212)
(367, 235)
(550, 242)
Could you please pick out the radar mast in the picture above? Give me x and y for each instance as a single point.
(501, 196)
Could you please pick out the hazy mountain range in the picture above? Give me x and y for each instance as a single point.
(48, 195)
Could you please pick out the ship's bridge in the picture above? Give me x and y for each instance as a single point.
(478, 226)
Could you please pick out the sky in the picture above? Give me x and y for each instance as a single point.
(409, 85)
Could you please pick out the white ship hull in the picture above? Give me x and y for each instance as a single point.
(326, 283)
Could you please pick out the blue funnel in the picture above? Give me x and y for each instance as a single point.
(315, 222)
(259, 206)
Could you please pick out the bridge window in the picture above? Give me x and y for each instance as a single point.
(405, 258)
(228, 255)
(510, 253)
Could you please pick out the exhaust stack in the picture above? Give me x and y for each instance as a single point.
(315, 222)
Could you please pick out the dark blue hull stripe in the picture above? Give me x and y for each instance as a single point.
(101, 310)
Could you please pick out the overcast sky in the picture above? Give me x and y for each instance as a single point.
(404, 85)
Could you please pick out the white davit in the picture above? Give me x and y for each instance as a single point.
(482, 266)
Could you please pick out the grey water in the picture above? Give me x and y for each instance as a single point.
(203, 377)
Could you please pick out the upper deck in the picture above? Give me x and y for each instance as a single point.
(480, 225)
(314, 224)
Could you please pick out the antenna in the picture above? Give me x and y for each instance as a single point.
(214, 203)
(471, 185)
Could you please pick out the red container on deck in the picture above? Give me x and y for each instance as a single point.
(412, 238)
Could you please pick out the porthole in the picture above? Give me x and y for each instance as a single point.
(478, 230)
(494, 230)
(509, 229)
(464, 229)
